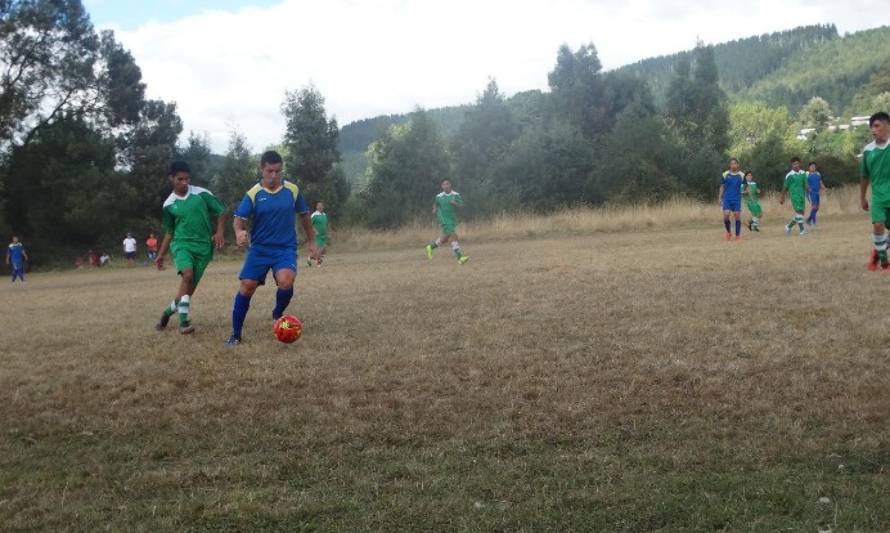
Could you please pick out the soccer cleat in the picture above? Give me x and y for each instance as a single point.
(885, 267)
(309, 262)
(803, 233)
(429, 251)
(162, 322)
(233, 341)
(787, 230)
(463, 259)
(276, 316)
(186, 327)
(757, 228)
(738, 238)
(750, 227)
(873, 261)
(727, 237)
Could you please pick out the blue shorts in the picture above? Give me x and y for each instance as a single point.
(732, 204)
(18, 267)
(814, 198)
(260, 260)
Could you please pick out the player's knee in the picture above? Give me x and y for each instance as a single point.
(248, 287)
(188, 276)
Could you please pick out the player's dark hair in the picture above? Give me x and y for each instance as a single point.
(748, 173)
(318, 202)
(879, 116)
(812, 164)
(795, 159)
(270, 157)
(733, 159)
(179, 166)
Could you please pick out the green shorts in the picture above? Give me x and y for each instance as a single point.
(880, 214)
(448, 229)
(755, 209)
(192, 256)
(799, 205)
(321, 241)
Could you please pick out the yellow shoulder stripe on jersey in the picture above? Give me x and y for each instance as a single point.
(292, 187)
(253, 192)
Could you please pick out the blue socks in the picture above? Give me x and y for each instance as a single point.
(812, 217)
(282, 298)
(239, 312)
(738, 228)
(726, 223)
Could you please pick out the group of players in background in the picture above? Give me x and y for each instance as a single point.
(800, 185)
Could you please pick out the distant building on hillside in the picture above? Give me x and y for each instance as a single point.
(855, 122)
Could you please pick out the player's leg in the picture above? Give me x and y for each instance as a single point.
(440, 240)
(456, 249)
(799, 219)
(727, 214)
(252, 275)
(737, 217)
(756, 216)
(284, 270)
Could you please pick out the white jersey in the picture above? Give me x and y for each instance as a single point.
(129, 245)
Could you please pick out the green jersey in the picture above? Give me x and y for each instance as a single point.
(875, 166)
(796, 185)
(189, 218)
(446, 212)
(753, 196)
(320, 223)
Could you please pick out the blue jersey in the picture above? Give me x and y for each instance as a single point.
(813, 180)
(16, 253)
(732, 186)
(274, 215)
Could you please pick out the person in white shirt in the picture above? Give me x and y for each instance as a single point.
(130, 250)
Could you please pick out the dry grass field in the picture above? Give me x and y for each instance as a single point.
(627, 379)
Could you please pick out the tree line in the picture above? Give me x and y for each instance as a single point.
(83, 152)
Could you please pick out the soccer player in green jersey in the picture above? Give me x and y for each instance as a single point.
(874, 170)
(320, 225)
(796, 186)
(445, 208)
(188, 219)
(751, 192)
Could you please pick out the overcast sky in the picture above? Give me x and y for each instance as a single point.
(227, 63)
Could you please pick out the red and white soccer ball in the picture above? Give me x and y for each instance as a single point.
(288, 329)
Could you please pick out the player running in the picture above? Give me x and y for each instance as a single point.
(445, 208)
(730, 198)
(188, 222)
(815, 184)
(16, 257)
(796, 186)
(751, 193)
(272, 204)
(874, 169)
(320, 225)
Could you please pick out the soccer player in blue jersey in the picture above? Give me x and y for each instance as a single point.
(272, 206)
(731, 198)
(815, 184)
(16, 256)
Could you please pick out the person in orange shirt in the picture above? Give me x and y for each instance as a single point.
(151, 244)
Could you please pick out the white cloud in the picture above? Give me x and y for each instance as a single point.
(387, 56)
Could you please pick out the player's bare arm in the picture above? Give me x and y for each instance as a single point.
(720, 195)
(241, 237)
(863, 192)
(165, 245)
(219, 238)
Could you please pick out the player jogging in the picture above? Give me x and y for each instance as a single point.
(320, 225)
(188, 215)
(815, 184)
(730, 198)
(445, 208)
(16, 257)
(874, 169)
(796, 186)
(751, 193)
(272, 205)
